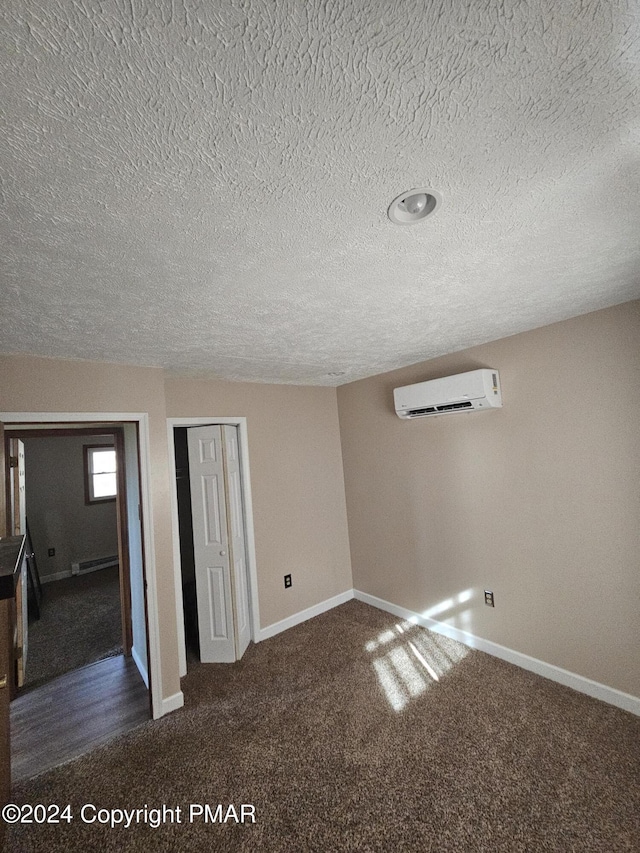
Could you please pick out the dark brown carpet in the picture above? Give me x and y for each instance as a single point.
(487, 758)
(79, 624)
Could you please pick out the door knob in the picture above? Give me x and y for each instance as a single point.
(3, 681)
(223, 553)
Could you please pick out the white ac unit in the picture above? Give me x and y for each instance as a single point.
(477, 390)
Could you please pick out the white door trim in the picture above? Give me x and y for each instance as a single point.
(243, 440)
(142, 419)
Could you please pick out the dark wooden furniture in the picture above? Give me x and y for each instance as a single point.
(11, 558)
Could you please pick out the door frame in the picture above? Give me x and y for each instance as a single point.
(243, 445)
(158, 707)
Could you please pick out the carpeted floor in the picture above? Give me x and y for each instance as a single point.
(79, 624)
(348, 733)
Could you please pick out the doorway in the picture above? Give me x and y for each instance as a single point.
(182, 512)
(127, 542)
(145, 659)
(79, 542)
(138, 464)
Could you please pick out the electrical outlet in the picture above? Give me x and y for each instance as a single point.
(488, 598)
(287, 581)
(52, 552)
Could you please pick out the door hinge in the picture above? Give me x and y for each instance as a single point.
(13, 462)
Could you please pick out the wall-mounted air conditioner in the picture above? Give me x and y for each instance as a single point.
(475, 391)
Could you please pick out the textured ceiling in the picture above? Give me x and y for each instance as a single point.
(203, 185)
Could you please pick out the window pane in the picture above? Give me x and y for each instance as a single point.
(104, 485)
(103, 461)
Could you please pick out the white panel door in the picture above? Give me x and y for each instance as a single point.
(211, 545)
(237, 541)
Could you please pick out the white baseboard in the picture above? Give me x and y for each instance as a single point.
(56, 576)
(303, 615)
(107, 564)
(171, 703)
(547, 670)
(142, 666)
(70, 573)
(595, 689)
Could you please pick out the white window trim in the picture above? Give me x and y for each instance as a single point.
(89, 474)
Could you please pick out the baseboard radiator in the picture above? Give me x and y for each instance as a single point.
(84, 566)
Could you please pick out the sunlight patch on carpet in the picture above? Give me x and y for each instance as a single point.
(409, 659)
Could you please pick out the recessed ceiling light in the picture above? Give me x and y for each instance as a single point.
(413, 205)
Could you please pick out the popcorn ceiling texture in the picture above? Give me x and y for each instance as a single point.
(203, 186)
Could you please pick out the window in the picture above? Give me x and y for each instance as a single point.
(100, 480)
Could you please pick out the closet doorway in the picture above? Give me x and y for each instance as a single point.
(213, 543)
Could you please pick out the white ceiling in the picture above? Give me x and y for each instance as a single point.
(203, 185)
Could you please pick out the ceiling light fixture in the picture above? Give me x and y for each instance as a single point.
(413, 205)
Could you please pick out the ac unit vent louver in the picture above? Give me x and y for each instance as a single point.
(451, 406)
(416, 413)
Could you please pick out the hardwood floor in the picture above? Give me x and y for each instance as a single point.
(72, 714)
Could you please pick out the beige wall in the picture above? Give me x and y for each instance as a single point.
(296, 481)
(539, 501)
(29, 384)
(296, 472)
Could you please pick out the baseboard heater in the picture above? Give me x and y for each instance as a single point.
(84, 566)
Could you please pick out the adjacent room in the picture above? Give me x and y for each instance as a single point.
(79, 619)
(319, 383)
